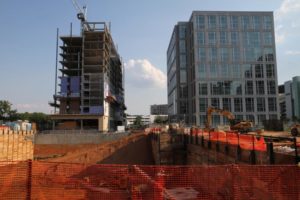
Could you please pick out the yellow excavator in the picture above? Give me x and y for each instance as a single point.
(241, 126)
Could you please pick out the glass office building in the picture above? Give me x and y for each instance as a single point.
(226, 60)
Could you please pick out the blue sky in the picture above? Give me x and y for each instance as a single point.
(141, 30)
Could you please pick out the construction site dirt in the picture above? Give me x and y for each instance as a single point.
(134, 149)
(153, 165)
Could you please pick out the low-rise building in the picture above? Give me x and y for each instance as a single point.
(289, 99)
(161, 109)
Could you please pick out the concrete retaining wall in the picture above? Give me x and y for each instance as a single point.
(77, 138)
(16, 145)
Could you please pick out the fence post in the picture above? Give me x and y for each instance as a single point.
(270, 153)
(238, 148)
(226, 147)
(209, 142)
(202, 139)
(218, 144)
(296, 150)
(197, 138)
(252, 154)
(29, 180)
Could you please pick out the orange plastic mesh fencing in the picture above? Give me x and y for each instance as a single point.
(41, 180)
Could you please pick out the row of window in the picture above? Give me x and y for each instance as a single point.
(245, 22)
(234, 54)
(235, 88)
(234, 38)
(236, 104)
(236, 71)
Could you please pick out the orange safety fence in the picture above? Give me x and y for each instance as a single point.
(44, 180)
(247, 142)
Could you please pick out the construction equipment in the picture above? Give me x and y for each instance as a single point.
(81, 15)
(295, 130)
(241, 126)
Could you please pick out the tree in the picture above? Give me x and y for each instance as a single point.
(138, 122)
(6, 112)
(160, 120)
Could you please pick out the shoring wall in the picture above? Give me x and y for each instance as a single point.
(44, 180)
(219, 148)
(16, 145)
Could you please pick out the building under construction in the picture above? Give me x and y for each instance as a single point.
(91, 92)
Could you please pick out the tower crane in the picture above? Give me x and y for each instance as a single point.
(81, 15)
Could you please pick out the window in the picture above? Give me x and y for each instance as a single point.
(273, 117)
(248, 70)
(223, 38)
(250, 118)
(182, 48)
(182, 32)
(270, 70)
(202, 104)
(227, 104)
(200, 20)
(201, 38)
(249, 87)
(224, 54)
(238, 105)
(212, 22)
(202, 120)
(236, 88)
(217, 88)
(203, 88)
(256, 22)
(201, 70)
(271, 87)
(251, 39)
(201, 54)
(183, 76)
(259, 71)
(235, 71)
(246, 22)
(267, 22)
(212, 38)
(261, 105)
(272, 104)
(183, 107)
(182, 61)
(234, 38)
(235, 54)
(268, 38)
(215, 102)
(223, 22)
(249, 105)
(227, 87)
(225, 71)
(234, 22)
(261, 119)
(260, 87)
(253, 54)
(213, 56)
(183, 91)
(269, 54)
(213, 71)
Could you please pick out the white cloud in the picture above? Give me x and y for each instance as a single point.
(141, 73)
(287, 7)
(286, 20)
(293, 53)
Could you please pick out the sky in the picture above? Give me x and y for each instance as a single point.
(141, 31)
